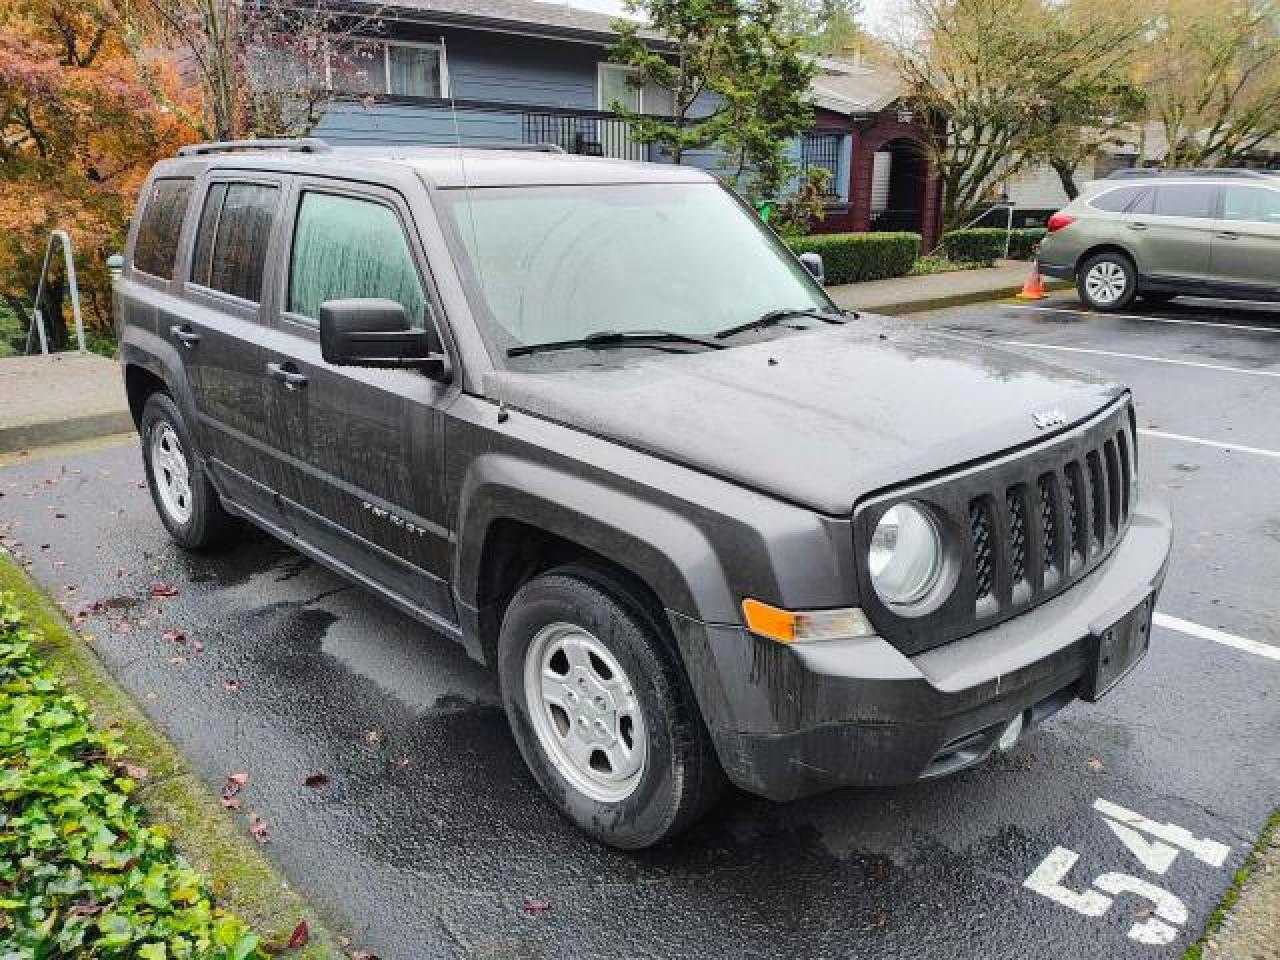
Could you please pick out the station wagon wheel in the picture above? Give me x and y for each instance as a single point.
(1107, 281)
(584, 711)
(601, 709)
(185, 499)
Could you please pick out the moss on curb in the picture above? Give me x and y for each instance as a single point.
(240, 876)
(1270, 833)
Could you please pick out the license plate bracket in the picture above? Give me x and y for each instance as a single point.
(1117, 649)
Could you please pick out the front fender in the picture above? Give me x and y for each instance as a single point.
(665, 550)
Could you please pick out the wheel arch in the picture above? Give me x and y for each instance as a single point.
(1107, 247)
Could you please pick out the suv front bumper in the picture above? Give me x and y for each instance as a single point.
(793, 720)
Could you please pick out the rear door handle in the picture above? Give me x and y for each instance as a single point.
(1227, 235)
(1137, 226)
(183, 333)
(287, 374)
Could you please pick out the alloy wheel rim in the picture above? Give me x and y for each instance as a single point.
(585, 713)
(171, 472)
(1105, 282)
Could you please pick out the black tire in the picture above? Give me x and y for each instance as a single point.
(208, 524)
(1110, 265)
(1156, 298)
(681, 776)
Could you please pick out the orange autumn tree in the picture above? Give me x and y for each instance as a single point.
(78, 132)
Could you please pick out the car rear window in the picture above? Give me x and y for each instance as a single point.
(162, 214)
(231, 244)
(1118, 200)
(1185, 199)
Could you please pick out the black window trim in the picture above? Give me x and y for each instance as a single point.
(386, 196)
(220, 298)
(135, 272)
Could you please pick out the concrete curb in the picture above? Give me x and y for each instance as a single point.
(49, 432)
(904, 307)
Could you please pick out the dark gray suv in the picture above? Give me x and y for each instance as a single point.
(592, 420)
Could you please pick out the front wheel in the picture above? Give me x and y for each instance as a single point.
(601, 712)
(1108, 281)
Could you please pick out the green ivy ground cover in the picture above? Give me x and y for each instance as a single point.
(81, 871)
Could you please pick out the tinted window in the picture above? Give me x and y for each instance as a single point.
(231, 244)
(1118, 200)
(344, 247)
(1185, 199)
(1250, 204)
(162, 215)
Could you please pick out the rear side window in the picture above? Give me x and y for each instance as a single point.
(231, 244)
(347, 247)
(1250, 204)
(1120, 200)
(1185, 199)
(162, 214)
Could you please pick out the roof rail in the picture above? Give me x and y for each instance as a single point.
(298, 145)
(1141, 173)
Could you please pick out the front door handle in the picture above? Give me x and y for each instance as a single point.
(287, 374)
(1227, 235)
(1137, 226)
(183, 333)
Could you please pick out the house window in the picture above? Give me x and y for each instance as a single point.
(399, 68)
(616, 82)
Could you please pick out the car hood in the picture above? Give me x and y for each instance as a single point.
(820, 418)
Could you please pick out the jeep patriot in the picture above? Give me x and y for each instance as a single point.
(592, 420)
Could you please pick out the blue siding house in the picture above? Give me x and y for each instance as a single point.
(525, 71)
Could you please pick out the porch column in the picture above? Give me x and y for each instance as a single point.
(860, 183)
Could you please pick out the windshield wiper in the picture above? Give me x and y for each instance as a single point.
(616, 338)
(777, 316)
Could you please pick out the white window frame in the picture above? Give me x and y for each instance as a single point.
(385, 46)
(601, 67)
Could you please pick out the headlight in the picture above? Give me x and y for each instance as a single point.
(905, 559)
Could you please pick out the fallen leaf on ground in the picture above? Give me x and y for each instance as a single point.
(374, 737)
(1095, 764)
(258, 827)
(316, 779)
(299, 937)
(230, 686)
(163, 590)
(235, 783)
(134, 772)
(536, 906)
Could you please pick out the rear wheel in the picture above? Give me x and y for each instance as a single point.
(186, 501)
(1107, 281)
(603, 715)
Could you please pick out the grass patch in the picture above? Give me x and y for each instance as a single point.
(932, 263)
(1229, 899)
(77, 831)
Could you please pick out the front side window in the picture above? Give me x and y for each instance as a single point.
(346, 247)
(1250, 204)
(363, 67)
(231, 244)
(165, 208)
(560, 262)
(1185, 200)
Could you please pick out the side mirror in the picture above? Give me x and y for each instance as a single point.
(813, 263)
(373, 332)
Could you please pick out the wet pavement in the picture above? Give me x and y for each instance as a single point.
(428, 839)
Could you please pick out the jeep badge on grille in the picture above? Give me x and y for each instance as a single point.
(1048, 418)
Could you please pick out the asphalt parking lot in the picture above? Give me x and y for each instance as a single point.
(1112, 831)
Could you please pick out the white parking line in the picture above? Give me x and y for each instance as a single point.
(1217, 636)
(1236, 447)
(1137, 316)
(1137, 356)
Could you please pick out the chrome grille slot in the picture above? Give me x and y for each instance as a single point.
(1113, 486)
(1097, 502)
(1126, 474)
(982, 529)
(1075, 508)
(1016, 505)
(1049, 510)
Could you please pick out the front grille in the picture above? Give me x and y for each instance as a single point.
(1029, 525)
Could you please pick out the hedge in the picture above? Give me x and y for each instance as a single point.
(855, 257)
(81, 872)
(986, 244)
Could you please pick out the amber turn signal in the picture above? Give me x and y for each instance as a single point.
(791, 626)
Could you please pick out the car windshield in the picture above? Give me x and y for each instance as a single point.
(555, 263)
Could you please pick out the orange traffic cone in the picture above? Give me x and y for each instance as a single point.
(1033, 289)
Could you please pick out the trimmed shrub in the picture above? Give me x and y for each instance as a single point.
(1023, 242)
(855, 257)
(983, 245)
